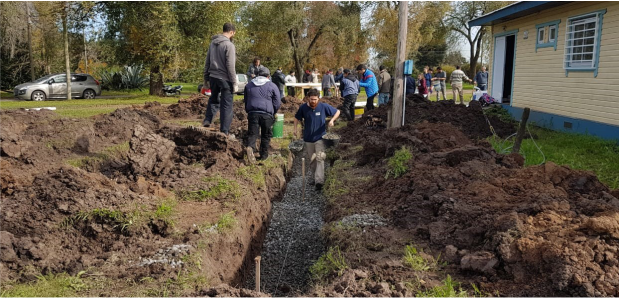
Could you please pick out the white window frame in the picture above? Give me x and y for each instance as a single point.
(571, 49)
(540, 36)
(555, 34)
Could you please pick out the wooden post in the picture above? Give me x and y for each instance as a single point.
(521, 131)
(303, 173)
(257, 281)
(401, 52)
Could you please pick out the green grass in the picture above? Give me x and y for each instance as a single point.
(220, 188)
(448, 289)
(397, 164)
(578, 151)
(414, 260)
(51, 285)
(329, 263)
(226, 222)
(112, 152)
(335, 182)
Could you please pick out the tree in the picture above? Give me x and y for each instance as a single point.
(146, 33)
(304, 31)
(422, 26)
(465, 11)
(454, 58)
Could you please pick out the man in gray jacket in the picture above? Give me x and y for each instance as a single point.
(327, 83)
(220, 72)
(254, 68)
(385, 81)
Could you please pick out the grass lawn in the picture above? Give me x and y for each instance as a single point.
(578, 151)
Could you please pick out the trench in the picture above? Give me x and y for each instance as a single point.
(292, 242)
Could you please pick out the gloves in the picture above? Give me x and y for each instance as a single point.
(235, 87)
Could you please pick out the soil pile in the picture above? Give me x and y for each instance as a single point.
(469, 119)
(539, 231)
(92, 194)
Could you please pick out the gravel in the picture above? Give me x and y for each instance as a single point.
(293, 241)
(170, 255)
(364, 220)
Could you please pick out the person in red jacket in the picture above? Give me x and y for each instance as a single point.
(422, 88)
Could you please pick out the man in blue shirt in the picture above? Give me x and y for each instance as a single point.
(262, 101)
(313, 114)
(482, 78)
(369, 82)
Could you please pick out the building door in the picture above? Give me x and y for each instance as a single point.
(503, 66)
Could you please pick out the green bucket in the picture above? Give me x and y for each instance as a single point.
(278, 126)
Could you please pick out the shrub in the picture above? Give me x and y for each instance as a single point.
(130, 77)
(397, 164)
(331, 262)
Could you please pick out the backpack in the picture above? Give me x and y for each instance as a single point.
(486, 99)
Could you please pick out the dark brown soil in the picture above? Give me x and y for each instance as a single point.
(539, 231)
(58, 172)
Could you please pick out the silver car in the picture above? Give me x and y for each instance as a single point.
(242, 80)
(55, 86)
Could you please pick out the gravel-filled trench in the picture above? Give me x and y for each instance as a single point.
(293, 242)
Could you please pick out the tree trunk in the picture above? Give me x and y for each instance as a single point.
(30, 43)
(85, 55)
(67, 63)
(298, 68)
(156, 82)
(397, 113)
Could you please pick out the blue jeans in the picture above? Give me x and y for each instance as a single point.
(483, 87)
(384, 98)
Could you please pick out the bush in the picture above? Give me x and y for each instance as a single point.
(397, 164)
(128, 78)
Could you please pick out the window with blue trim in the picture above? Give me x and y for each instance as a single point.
(550, 40)
(583, 42)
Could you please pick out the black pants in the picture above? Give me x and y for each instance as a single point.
(327, 92)
(370, 102)
(291, 91)
(221, 97)
(349, 106)
(264, 122)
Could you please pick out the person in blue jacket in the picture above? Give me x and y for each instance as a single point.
(368, 80)
(349, 88)
(410, 85)
(262, 101)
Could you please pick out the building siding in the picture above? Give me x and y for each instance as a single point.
(540, 81)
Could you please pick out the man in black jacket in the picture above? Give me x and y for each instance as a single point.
(262, 101)
(278, 79)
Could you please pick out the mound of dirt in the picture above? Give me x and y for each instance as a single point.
(192, 106)
(470, 120)
(543, 230)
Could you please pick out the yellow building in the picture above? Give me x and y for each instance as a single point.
(560, 59)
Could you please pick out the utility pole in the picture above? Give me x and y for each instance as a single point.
(398, 106)
(30, 42)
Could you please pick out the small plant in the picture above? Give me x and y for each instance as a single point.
(165, 211)
(335, 181)
(445, 290)
(253, 173)
(221, 188)
(415, 260)
(331, 262)
(397, 164)
(50, 285)
(226, 222)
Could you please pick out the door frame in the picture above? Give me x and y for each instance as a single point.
(514, 32)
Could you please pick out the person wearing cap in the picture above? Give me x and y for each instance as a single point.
(313, 113)
(262, 101)
(278, 79)
(349, 88)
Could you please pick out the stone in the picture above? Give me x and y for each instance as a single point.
(359, 274)
(451, 254)
(481, 261)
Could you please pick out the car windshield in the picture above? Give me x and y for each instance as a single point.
(43, 79)
(241, 78)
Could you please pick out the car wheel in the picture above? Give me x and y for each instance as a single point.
(38, 96)
(88, 94)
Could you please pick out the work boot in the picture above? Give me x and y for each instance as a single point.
(206, 123)
(319, 186)
(250, 154)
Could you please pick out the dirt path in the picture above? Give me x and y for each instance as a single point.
(293, 242)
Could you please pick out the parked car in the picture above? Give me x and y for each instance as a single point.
(242, 81)
(55, 86)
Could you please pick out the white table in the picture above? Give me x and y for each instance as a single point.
(305, 86)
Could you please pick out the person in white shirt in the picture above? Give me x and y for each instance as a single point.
(290, 78)
(456, 79)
